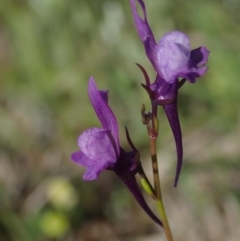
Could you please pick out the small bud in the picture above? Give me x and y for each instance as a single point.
(146, 187)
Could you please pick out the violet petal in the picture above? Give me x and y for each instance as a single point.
(79, 158)
(173, 53)
(104, 95)
(145, 32)
(104, 112)
(172, 115)
(96, 144)
(191, 74)
(92, 172)
(93, 168)
(199, 56)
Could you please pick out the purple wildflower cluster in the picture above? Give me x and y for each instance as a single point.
(174, 63)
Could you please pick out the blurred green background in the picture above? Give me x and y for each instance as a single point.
(48, 50)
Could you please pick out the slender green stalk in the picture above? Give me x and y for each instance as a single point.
(157, 186)
(152, 127)
(164, 219)
(156, 175)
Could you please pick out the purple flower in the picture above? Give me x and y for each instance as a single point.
(100, 149)
(172, 59)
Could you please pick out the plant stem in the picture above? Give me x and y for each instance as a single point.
(153, 134)
(156, 179)
(164, 219)
(157, 186)
(151, 121)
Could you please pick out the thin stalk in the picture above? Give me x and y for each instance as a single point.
(164, 219)
(157, 186)
(152, 125)
(153, 134)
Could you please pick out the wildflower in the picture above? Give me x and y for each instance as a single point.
(172, 59)
(100, 149)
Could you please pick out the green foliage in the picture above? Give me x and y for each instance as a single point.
(48, 50)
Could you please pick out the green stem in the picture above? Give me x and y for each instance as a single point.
(156, 178)
(151, 121)
(153, 134)
(157, 187)
(164, 219)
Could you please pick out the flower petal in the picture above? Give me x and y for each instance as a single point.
(104, 112)
(172, 115)
(177, 37)
(145, 32)
(96, 144)
(92, 172)
(93, 168)
(192, 73)
(199, 56)
(104, 95)
(79, 158)
(173, 52)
